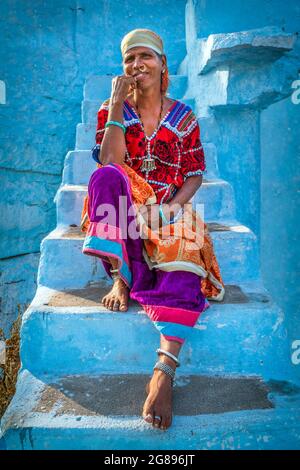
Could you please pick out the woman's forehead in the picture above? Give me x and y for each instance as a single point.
(138, 50)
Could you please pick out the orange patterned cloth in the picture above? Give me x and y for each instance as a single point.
(185, 245)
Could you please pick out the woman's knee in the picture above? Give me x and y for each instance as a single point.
(107, 175)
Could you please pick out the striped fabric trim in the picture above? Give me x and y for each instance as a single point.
(179, 316)
(181, 119)
(101, 247)
(130, 118)
(180, 332)
(174, 338)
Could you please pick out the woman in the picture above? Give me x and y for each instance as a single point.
(151, 163)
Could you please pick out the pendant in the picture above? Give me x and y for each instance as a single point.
(148, 164)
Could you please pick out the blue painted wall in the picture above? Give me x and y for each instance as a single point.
(265, 171)
(47, 51)
(226, 16)
(280, 208)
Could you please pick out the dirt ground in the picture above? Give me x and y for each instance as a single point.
(11, 366)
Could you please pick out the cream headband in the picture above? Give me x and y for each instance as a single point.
(141, 37)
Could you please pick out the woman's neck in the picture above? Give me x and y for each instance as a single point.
(147, 99)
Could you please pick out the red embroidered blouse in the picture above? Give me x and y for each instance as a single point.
(178, 152)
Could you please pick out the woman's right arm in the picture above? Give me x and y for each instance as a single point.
(113, 147)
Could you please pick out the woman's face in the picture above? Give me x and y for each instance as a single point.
(143, 63)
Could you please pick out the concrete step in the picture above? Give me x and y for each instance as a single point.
(216, 196)
(61, 257)
(253, 47)
(79, 165)
(104, 412)
(71, 332)
(98, 87)
(62, 263)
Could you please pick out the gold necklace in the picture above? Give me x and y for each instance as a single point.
(149, 162)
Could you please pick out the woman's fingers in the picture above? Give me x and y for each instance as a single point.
(121, 86)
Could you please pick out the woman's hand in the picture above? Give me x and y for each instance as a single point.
(151, 216)
(121, 86)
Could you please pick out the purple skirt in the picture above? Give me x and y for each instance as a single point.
(172, 300)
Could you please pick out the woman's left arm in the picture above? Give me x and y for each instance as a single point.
(184, 194)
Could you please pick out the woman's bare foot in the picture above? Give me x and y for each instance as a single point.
(117, 298)
(159, 401)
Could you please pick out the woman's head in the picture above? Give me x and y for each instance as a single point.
(142, 51)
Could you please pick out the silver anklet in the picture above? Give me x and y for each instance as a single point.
(166, 369)
(170, 355)
(115, 274)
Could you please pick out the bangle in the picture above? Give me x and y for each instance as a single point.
(177, 216)
(170, 355)
(116, 123)
(174, 219)
(165, 221)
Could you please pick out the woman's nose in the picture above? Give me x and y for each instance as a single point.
(137, 63)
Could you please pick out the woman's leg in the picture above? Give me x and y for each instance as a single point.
(117, 298)
(107, 235)
(159, 400)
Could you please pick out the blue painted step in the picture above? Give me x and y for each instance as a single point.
(72, 413)
(69, 332)
(61, 253)
(216, 196)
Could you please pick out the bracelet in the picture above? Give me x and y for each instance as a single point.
(170, 355)
(165, 221)
(171, 221)
(166, 369)
(116, 123)
(177, 216)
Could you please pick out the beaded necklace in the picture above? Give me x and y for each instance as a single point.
(149, 162)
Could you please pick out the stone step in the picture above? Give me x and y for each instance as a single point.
(216, 195)
(235, 248)
(79, 165)
(90, 108)
(104, 412)
(61, 252)
(251, 47)
(98, 87)
(70, 332)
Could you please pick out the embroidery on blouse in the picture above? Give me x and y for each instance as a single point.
(181, 121)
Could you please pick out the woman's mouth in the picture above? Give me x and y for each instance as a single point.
(140, 75)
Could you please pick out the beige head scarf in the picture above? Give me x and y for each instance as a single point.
(142, 37)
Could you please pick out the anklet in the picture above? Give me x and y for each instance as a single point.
(115, 274)
(114, 270)
(166, 369)
(170, 355)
